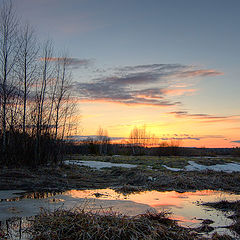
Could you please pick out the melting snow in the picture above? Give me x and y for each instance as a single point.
(193, 166)
(173, 169)
(98, 165)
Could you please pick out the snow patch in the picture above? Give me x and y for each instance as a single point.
(193, 166)
(173, 169)
(228, 167)
(99, 165)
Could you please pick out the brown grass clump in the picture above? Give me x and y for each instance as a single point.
(225, 205)
(81, 225)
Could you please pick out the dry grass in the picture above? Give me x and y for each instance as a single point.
(156, 162)
(75, 177)
(143, 161)
(225, 205)
(78, 224)
(197, 181)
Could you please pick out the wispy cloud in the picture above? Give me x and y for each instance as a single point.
(72, 62)
(190, 137)
(179, 92)
(153, 84)
(91, 137)
(114, 93)
(206, 118)
(178, 137)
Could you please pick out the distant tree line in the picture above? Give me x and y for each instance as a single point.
(141, 142)
(92, 148)
(36, 106)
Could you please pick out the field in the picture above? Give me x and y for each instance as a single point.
(150, 173)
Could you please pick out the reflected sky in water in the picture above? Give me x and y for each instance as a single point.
(185, 207)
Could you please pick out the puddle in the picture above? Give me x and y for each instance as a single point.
(185, 207)
(99, 165)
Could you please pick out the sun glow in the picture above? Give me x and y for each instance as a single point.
(119, 120)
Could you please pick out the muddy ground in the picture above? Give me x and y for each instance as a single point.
(126, 180)
(75, 177)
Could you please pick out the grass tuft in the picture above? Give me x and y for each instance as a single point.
(79, 224)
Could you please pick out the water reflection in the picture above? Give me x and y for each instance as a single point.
(186, 207)
(28, 195)
(15, 228)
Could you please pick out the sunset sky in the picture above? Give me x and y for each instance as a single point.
(170, 65)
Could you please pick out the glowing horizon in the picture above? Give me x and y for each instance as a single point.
(160, 64)
(194, 131)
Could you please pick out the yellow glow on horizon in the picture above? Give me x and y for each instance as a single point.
(119, 120)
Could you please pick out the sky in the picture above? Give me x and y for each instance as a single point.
(169, 65)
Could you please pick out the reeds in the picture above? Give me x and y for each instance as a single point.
(82, 225)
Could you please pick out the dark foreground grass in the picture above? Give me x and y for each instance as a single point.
(78, 224)
(58, 179)
(81, 225)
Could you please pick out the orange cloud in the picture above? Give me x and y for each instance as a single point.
(150, 85)
(200, 72)
(178, 92)
(206, 118)
(106, 100)
(73, 62)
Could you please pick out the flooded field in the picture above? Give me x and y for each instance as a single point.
(185, 207)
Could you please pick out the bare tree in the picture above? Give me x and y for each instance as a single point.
(26, 65)
(63, 88)
(46, 72)
(8, 56)
(45, 115)
(45, 75)
(102, 140)
(140, 138)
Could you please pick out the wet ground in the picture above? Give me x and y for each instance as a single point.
(185, 207)
(191, 164)
(150, 174)
(153, 185)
